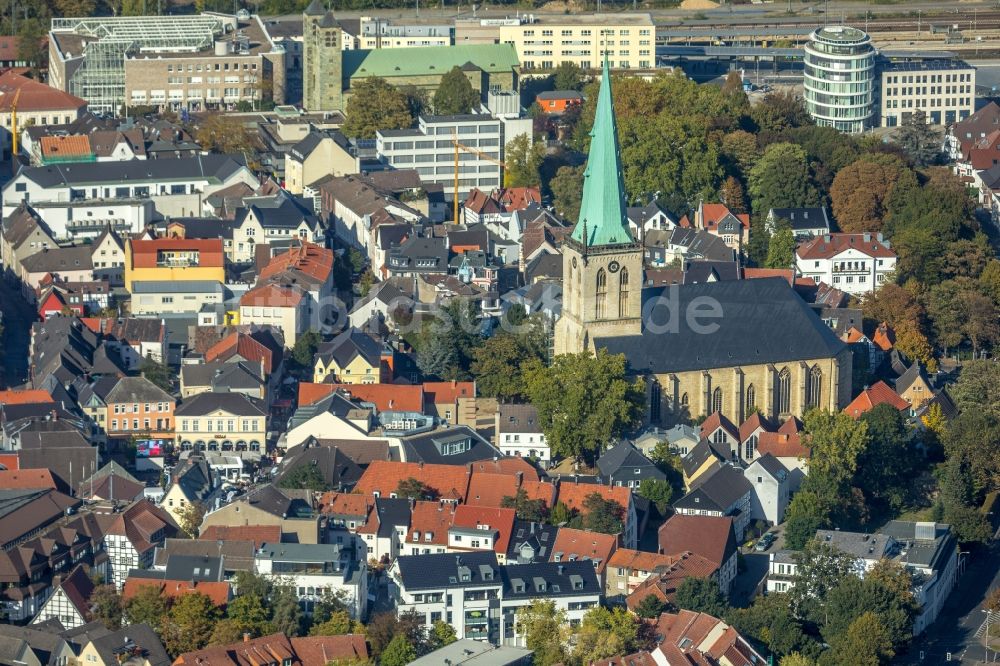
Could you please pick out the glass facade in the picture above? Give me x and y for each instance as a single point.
(839, 81)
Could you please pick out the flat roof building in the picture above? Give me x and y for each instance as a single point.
(945, 89)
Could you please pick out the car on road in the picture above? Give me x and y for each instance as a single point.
(765, 542)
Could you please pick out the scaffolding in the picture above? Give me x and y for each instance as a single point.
(109, 41)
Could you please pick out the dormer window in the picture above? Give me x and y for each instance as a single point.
(428, 536)
(416, 536)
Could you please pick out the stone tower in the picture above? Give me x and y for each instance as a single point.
(322, 60)
(602, 263)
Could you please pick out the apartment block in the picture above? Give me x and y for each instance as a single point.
(945, 90)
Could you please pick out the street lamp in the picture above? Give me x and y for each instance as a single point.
(986, 644)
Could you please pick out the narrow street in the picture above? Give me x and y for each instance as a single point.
(956, 629)
(17, 319)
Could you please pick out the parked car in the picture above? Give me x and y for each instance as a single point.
(765, 542)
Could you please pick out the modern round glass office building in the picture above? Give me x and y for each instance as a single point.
(839, 78)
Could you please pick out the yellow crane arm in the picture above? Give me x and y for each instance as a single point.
(13, 126)
(478, 153)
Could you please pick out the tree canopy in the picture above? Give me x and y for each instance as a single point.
(375, 105)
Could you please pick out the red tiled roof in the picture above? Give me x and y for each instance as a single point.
(573, 544)
(884, 338)
(502, 520)
(322, 650)
(854, 335)
(433, 518)
(72, 145)
(640, 560)
(878, 393)
(144, 252)
(383, 477)
(28, 396)
(309, 258)
(9, 461)
(310, 392)
(35, 96)
(440, 393)
(759, 273)
(782, 445)
(386, 397)
(712, 537)
(663, 584)
(252, 652)
(273, 295)
(573, 494)
(715, 421)
(245, 346)
(257, 534)
(830, 245)
(487, 489)
(749, 426)
(218, 592)
(543, 490)
(27, 479)
(348, 504)
(507, 465)
(78, 587)
(713, 213)
(791, 426)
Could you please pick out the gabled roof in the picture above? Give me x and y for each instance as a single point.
(238, 404)
(878, 393)
(35, 96)
(218, 592)
(754, 422)
(712, 537)
(702, 452)
(385, 397)
(78, 587)
(623, 454)
(137, 390)
(144, 253)
(383, 477)
(426, 60)
(573, 494)
(716, 490)
(828, 246)
(255, 347)
(481, 517)
(718, 420)
(572, 545)
(782, 445)
(348, 345)
(256, 534)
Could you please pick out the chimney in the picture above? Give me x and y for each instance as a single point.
(246, 636)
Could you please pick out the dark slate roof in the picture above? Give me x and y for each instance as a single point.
(419, 255)
(803, 218)
(444, 570)
(202, 227)
(392, 512)
(236, 555)
(137, 389)
(303, 148)
(550, 579)
(335, 403)
(763, 321)
(194, 476)
(912, 374)
(701, 452)
(540, 537)
(622, 455)
(195, 568)
(772, 465)
(278, 212)
(716, 491)
(221, 376)
(350, 344)
(932, 553)
(280, 503)
(139, 636)
(234, 403)
(427, 447)
(337, 469)
(42, 641)
(699, 243)
(699, 271)
(212, 166)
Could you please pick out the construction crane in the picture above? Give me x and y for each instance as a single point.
(478, 153)
(13, 129)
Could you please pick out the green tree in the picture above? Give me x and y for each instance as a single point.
(820, 568)
(147, 606)
(446, 344)
(305, 476)
(918, 139)
(865, 643)
(524, 507)
(32, 43)
(567, 191)
(249, 613)
(375, 105)
(885, 591)
(399, 652)
(657, 491)
(769, 621)
(797, 659)
(780, 111)
(602, 515)
(189, 624)
(442, 634)
(411, 488)
(338, 623)
(106, 606)
(701, 595)
(158, 373)
(75, 8)
(650, 607)
(523, 157)
(584, 401)
(760, 240)
(781, 249)
(886, 466)
(805, 514)
(497, 363)
(978, 388)
(305, 348)
(189, 518)
(544, 631)
(606, 633)
(568, 76)
(227, 632)
(741, 151)
(835, 440)
(286, 614)
(862, 191)
(781, 179)
(560, 514)
(455, 94)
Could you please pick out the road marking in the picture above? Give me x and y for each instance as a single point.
(981, 630)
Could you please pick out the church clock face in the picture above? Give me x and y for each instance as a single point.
(574, 262)
(614, 266)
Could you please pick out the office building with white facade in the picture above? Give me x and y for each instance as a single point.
(944, 89)
(480, 598)
(839, 78)
(314, 570)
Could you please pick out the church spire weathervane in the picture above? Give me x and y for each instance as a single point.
(603, 218)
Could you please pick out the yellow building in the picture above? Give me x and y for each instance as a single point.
(174, 260)
(731, 347)
(629, 40)
(353, 357)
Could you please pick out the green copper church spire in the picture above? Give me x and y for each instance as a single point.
(602, 211)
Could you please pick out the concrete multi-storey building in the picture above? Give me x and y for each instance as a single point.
(545, 42)
(382, 33)
(943, 89)
(430, 149)
(480, 598)
(315, 569)
(839, 78)
(204, 61)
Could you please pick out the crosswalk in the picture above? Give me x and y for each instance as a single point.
(981, 630)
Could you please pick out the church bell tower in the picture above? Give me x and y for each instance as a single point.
(602, 262)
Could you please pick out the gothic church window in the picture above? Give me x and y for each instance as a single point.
(623, 294)
(784, 392)
(602, 293)
(717, 400)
